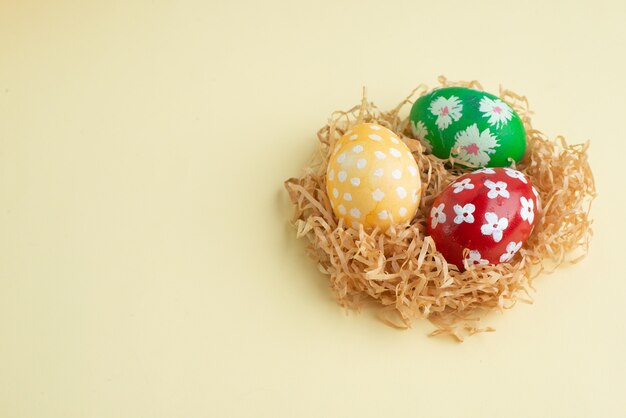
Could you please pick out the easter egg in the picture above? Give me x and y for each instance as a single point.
(490, 212)
(471, 125)
(372, 178)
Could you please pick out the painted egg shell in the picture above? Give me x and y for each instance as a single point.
(372, 178)
(472, 125)
(491, 212)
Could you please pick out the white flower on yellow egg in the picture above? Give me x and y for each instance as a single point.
(401, 192)
(420, 132)
(498, 112)
(446, 110)
(378, 195)
(473, 146)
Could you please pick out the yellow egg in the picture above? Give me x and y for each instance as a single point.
(372, 178)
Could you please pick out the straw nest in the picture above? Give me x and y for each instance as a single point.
(401, 270)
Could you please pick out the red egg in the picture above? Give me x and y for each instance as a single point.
(491, 212)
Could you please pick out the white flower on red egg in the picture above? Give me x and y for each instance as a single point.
(437, 216)
(475, 147)
(465, 184)
(516, 175)
(420, 131)
(446, 110)
(497, 189)
(464, 213)
(527, 212)
(494, 226)
(498, 112)
(474, 258)
(485, 171)
(537, 199)
(511, 248)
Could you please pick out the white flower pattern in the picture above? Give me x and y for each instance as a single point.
(511, 248)
(516, 175)
(420, 131)
(446, 110)
(494, 226)
(475, 147)
(465, 184)
(474, 258)
(485, 171)
(498, 112)
(437, 216)
(527, 212)
(537, 199)
(497, 189)
(464, 213)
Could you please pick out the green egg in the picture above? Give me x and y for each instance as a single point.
(477, 127)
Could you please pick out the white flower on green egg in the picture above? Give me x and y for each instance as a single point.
(446, 110)
(498, 112)
(420, 131)
(473, 146)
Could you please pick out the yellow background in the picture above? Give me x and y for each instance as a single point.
(146, 265)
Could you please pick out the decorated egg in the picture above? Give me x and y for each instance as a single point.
(471, 125)
(490, 212)
(372, 178)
